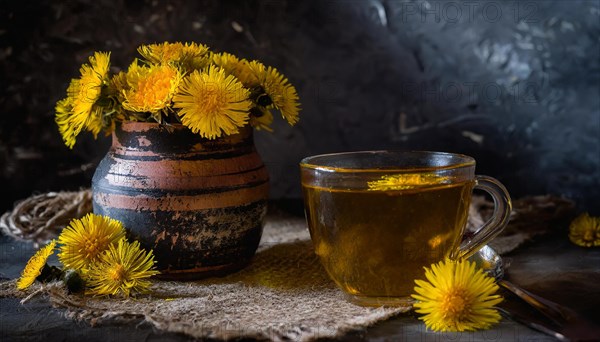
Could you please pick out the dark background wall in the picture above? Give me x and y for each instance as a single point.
(514, 84)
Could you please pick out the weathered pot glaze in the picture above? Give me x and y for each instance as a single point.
(199, 204)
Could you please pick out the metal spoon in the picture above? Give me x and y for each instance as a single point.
(566, 324)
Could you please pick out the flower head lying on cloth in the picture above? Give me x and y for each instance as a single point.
(85, 239)
(35, 265)
(457, 297)
(95, 255)
(123, 268)
(585, 231)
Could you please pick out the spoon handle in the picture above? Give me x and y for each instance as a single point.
(567, 324)
(553, 311)
(528, 321)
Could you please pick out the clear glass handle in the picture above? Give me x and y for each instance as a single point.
(493, 227)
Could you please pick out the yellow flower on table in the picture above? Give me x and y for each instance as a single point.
(122, 269)
(81, 109)
(35, 265)
(457, 297)
(150, 89)
(585, 231)
(212, 103)
(85, 239)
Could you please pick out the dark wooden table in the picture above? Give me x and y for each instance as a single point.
(549, 266)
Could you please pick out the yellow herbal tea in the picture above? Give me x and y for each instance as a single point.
(377, 218)
(375, 241)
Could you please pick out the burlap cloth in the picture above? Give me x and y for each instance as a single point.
(285, 294)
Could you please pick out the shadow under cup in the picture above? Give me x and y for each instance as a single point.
(377, 218)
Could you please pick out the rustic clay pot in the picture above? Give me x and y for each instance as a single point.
(199, 204)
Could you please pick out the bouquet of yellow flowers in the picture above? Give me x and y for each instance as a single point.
(213, 94)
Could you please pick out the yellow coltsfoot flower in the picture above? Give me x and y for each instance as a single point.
(212, 103)
(457, 297)
(35, 265)
(584, 231)
(122, 269)
(236, 67)
(63, 118)
(280, 94)
(213, 94)
(167, 53)
(85, 239)
(150, 89)
(81, 109)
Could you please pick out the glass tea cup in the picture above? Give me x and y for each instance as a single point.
(376, 218)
